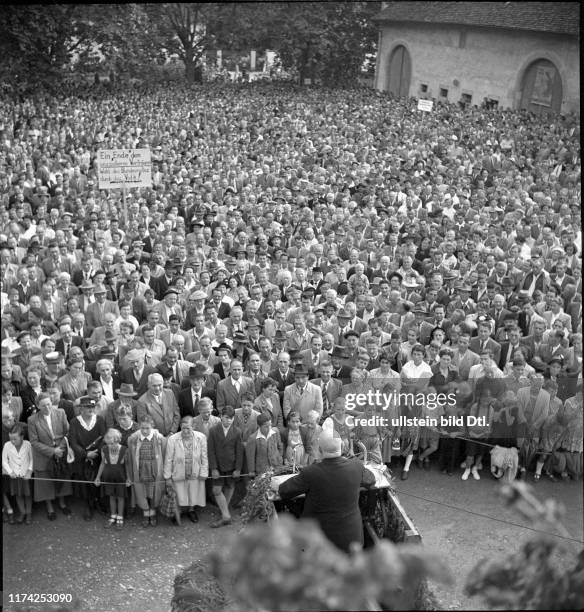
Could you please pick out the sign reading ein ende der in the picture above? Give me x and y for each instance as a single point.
(119, 168)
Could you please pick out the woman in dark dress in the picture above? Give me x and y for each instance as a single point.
(86, 434)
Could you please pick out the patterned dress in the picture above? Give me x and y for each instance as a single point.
(147, 467)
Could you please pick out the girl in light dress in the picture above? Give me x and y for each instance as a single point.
(295, 451)
(17, 465)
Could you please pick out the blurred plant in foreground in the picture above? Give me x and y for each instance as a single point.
(290, 565)
(530, 579)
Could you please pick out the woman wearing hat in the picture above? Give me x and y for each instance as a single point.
(124, 404)
(86, 439)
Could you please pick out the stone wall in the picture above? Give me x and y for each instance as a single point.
(484, 62)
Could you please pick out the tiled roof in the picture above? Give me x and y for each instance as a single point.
(556, 17)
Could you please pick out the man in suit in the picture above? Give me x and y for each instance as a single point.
(25, 287)
(85, 272)
(330, 388)
(98, 336)
(556, 312)
(340, 371)
(484, 341)
(160, 404)
(534, 341)
(332, 489)
(160, 284)
(179, 367)
(560, 278)
(283, 375)
(189, 397)
(374, 332)
(246, 418)
(302, 396)
(128, 293)
(167, 336)
(527, 318)
(67, 340)
(278, 323)
(463, 359)
(225, 450)
(95, 314)
(498, 312)
(137, 372)
(205, 420)
(54, 262)
(255, 373)
(537, 278)
(508, 348)
(230, 390)
(554, 349)
(314, 356)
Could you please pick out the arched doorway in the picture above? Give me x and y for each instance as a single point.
(400, 71)
(541, 90)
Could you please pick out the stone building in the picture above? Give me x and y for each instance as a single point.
(514, 54)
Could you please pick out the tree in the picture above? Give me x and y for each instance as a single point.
(184, 31)
(330, 41)
(45, 44)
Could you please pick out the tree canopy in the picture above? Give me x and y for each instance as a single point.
(330, 41)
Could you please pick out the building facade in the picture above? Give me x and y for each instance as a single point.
(513, 54)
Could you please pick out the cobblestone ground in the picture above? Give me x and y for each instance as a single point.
(133, 570)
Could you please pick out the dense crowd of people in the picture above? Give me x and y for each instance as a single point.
(299, 249)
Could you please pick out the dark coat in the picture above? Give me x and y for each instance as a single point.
(185, 402)
(225, 453)
(332, 490)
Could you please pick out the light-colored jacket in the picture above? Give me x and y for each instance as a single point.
(166, 415)
(175, 459)
(311, 399)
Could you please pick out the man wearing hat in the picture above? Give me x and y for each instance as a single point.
(340, 371)
(95, 313)
(137, 372)
(161, 283)
(169, 306)
(54, 368)
(332, 489)
(188, 399)
(302, 396)
(160, 404)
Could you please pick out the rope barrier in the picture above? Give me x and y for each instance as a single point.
(102, 482)
(492, 518)
(493, 445)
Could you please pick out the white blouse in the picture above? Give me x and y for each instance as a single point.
(17, 461)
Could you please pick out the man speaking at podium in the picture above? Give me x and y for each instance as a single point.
(332, 493)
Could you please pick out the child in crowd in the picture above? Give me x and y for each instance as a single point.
(113, 471)
(17, 465)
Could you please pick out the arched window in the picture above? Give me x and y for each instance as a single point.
(541, 90)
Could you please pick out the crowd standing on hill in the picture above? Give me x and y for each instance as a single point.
(299, 249)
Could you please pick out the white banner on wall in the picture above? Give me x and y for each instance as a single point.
(426, 105)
